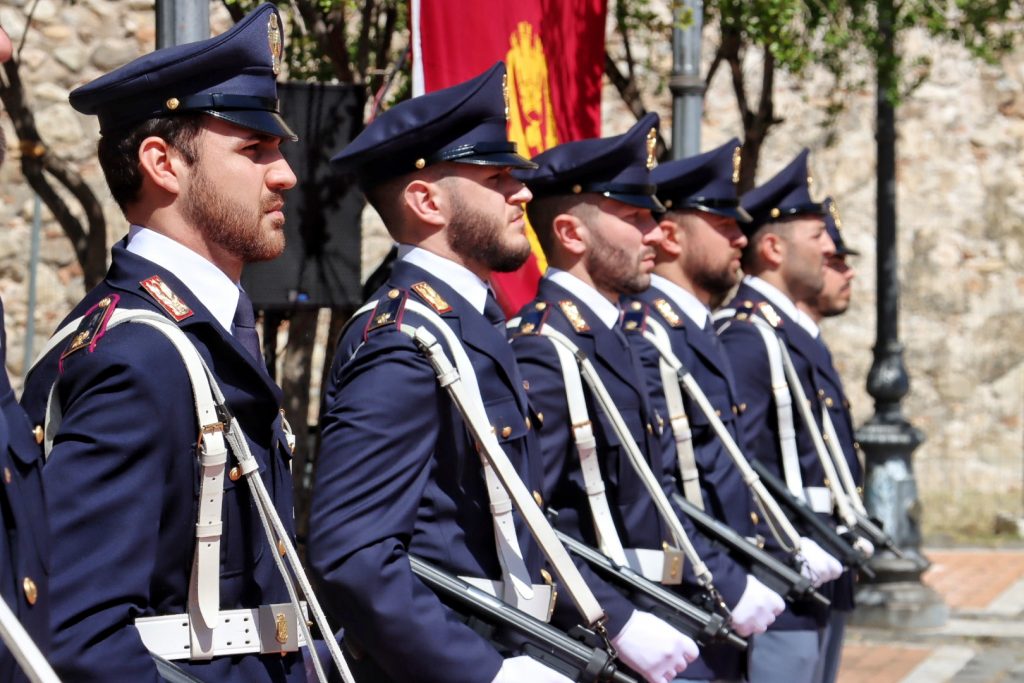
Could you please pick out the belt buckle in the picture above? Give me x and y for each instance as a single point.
(672, 567)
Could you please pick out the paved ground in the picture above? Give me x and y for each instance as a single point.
(982, 642)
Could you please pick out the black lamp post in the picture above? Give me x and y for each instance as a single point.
(896, 597)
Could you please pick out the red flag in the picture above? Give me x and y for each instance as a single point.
(554, 51)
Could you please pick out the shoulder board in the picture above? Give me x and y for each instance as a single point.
(665, 310)
(634, 318)
(769, 314)
(430, 295)
(168, 300)
(388, 311)
(93, 326)
(572, 313)
(532, 320)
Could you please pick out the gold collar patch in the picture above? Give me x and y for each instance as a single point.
(571, 312)
(769, 314)
(430, 295)
(664, 308)
(168, 300)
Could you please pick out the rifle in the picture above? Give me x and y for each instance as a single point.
(769, 570)
(545, 643)
(840, 546)
(704, 627)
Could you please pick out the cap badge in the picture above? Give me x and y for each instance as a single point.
(430, 295)
(652, 144)
(737, 158)
(167, 299)
(274, 40)
(573, 314)
(504, 92)
(834, 210)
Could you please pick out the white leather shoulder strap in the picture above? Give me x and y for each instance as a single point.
(24, 649)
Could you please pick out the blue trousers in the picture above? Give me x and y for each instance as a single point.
(785, 657)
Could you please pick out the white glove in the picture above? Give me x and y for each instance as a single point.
(861, 544)
(818, 566)
(519, 669)
(757, 608)
(654, 649)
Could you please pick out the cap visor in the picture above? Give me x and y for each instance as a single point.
(259, 120)
(737, 213)
(644, 201)
(509, 159)
(846, 251)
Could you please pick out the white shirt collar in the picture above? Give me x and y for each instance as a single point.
(207, 282)
(784, 303)
(606, 311)
(694, 309)
(461, 279)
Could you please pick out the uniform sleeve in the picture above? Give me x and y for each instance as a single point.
(107, 481)
(379, 431)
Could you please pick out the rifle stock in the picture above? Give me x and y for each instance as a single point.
(826, 536)
(704, 627)
(771, 571)
(543, 642)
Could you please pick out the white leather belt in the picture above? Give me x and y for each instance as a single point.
(819, 498)
(539, 605)
(269, 629)
(656, 565)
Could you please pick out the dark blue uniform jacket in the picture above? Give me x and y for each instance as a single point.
(123, 478)
(24, 543)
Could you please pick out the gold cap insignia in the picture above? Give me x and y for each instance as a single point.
(652, 145)
(776, 212)
(274, 41)
(769, 314)
(571, 312)
(504, 92)
(737, 160)
(810, 179)
(430, 295)
(664, 308)
(167, 299)
(834, 211)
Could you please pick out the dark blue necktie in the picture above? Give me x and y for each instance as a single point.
(244, 324)
(494, 314)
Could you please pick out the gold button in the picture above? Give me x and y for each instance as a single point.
(540, 418)
(856, 445)
(506, 431)
(650, 428)
(172, 103)
(860, 490)
(526, 385)
(539, 498)
(829, 402)
(827, 484)
(748, 304)
(636, 305)
(540, 305)
(7, 475)
(104, 302)
(393, 294)
(280, 547)
(421, 163)
(735, 410)
(235, 473)
(38, 432)
(31, 592)
(576, 189)
(821, 392)
(754, 518)
(718, 413)
(743, 408)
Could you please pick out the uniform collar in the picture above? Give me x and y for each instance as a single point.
(691, 305)
(605, 310)
(783, 303)
(207, 282)
(459, 278)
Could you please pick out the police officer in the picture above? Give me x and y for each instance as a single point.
(783, 260)
(24, 540)
(398, 471)
(834, 300)
(697, 263)
(190, 146)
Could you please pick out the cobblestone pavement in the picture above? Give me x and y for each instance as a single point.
(982, 642)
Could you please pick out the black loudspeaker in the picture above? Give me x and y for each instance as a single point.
(320, 266)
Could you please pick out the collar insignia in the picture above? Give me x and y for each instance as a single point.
(571, 312)
(430, 295)
(168, 300)
(769, 314)
(664, 308)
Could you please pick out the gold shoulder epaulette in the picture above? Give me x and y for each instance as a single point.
(532, 320)
(388, 311)
(570, 311)
(430, 295)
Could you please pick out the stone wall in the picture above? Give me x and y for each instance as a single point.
(961, 223)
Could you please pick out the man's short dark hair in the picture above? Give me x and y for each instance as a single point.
(542, 213)
(119, 152)
(749, 261)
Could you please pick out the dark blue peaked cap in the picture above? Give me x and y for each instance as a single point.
(617, 167)
(465, 123)
(231, 76)
(834, 227)
(706, 182)
(787, 194)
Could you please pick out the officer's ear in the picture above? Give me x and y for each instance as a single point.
(161, 164)
(571, 233)
(673, 234)
(426, 201)
(771, 247)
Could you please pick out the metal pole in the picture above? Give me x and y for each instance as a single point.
(181, 21)
(33, 278)
(896, 597)
(686, 83)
